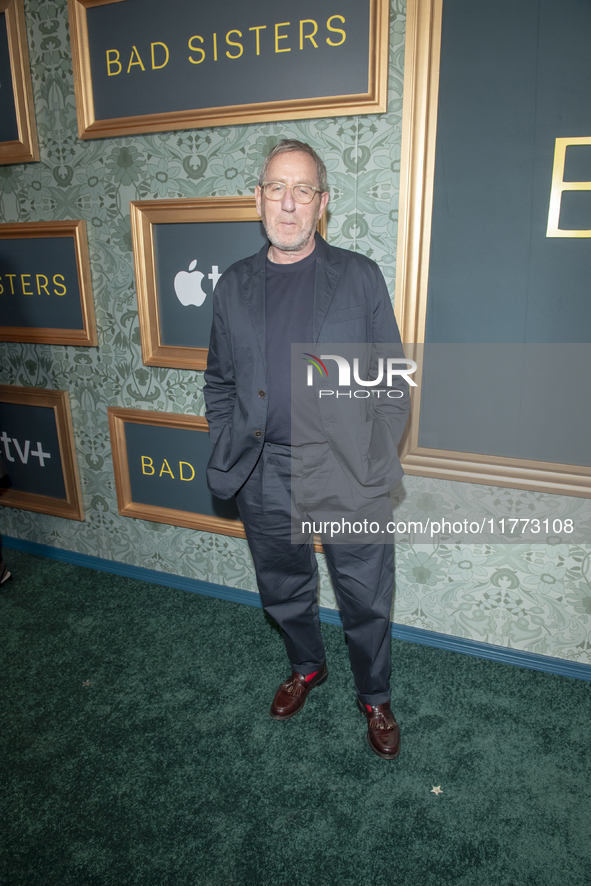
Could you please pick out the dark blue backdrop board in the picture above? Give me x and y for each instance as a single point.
(250, 78)
(46, 310)
(514, 76)
(166, 489)
(8, 123)
(212, 244)
(35, 425)
(520, 401)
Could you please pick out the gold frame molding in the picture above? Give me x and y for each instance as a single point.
(419, 130)
(71, 508)
(77, 230)
(27, 147)
(127, 507)
(372, 102)
(144, 215)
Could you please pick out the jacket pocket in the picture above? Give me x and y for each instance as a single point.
(351, 313)
(220, 457)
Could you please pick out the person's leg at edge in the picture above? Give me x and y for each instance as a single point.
(4, 573)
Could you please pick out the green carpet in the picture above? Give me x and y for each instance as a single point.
(167, 769)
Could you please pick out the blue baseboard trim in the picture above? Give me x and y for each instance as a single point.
(502, 654)
(532, 660)
(166, 579)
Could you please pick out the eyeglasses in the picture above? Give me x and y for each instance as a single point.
(301, 193)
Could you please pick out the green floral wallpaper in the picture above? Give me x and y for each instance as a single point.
(536, 598)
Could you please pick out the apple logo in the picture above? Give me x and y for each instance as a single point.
(188, 286)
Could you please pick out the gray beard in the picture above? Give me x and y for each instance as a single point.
(290, 247)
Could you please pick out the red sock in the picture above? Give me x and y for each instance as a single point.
(309, 676)
(368, 706)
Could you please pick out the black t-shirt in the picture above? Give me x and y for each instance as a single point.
(289, 307)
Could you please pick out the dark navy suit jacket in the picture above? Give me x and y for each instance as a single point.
(351, 304)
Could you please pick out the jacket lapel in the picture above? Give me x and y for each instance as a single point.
(254, 293)
(327, 277)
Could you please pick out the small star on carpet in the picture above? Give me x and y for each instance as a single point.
(436, 790)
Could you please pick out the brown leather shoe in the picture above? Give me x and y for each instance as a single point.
(383, 732)
(291, 695)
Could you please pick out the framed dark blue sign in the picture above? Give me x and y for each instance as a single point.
(37, 446)
(150, 65)
(18, 133)
(494, 241)
(159, 460)
(45, 289)
(181, 248)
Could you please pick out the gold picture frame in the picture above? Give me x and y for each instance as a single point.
(26, 148)
(144, 215)
(85, 336)
(419, 130)
(157, 514)
(71, 507)
(374, 101)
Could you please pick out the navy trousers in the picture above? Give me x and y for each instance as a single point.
(287, 574)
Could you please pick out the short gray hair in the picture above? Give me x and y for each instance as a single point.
(291, 145)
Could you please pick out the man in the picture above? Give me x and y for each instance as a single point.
(300, 289)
